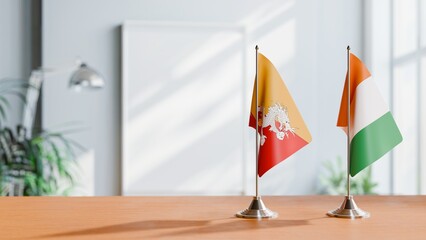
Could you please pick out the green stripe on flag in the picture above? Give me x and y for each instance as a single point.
(373, 141)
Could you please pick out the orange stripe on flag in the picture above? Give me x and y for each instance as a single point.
(359, 73)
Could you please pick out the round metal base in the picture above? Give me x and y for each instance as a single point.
(257, 209)
(348, 209)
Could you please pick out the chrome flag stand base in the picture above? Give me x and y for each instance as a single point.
(257, 209)
(349, 209)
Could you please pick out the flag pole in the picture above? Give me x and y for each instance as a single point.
(257, 127)
(348, 209)
(348, 157)
(257, 208)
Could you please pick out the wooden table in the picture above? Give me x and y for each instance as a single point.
(301, 217)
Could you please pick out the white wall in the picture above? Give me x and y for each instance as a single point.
(340, 24)
(15, 48)
(305, 39)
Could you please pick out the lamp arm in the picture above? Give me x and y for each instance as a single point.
(36, 80)
(84, 76)
(31, 100)
(57, 70)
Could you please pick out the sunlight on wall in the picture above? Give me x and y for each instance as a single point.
(190, 127)
(265, 13)
(207, 50)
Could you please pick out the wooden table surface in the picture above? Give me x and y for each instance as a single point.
(300, 217)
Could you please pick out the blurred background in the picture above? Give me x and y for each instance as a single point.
(172, 116)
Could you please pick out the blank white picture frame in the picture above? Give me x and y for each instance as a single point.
(183, 110)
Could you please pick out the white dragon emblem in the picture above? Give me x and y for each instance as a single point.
(276, 113)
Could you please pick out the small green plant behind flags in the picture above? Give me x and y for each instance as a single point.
(333, 180)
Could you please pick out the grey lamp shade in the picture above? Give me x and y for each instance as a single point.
(86, 77)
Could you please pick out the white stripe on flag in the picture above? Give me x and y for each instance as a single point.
(369, 105)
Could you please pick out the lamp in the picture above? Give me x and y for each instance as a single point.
(82, 77)
(86, 77)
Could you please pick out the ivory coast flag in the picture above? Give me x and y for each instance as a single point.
(373, 130)
(281, 127)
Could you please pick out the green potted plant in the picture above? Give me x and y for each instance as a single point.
(32, 166)
(333, 180)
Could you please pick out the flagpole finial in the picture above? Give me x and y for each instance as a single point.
(349, 48)
(257, 47)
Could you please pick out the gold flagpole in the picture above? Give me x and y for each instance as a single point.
(348, 209)
(257, 208)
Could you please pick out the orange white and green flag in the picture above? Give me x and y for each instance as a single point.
(373, 131)
(280, 125)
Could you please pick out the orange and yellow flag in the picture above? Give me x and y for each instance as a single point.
(280, 125)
